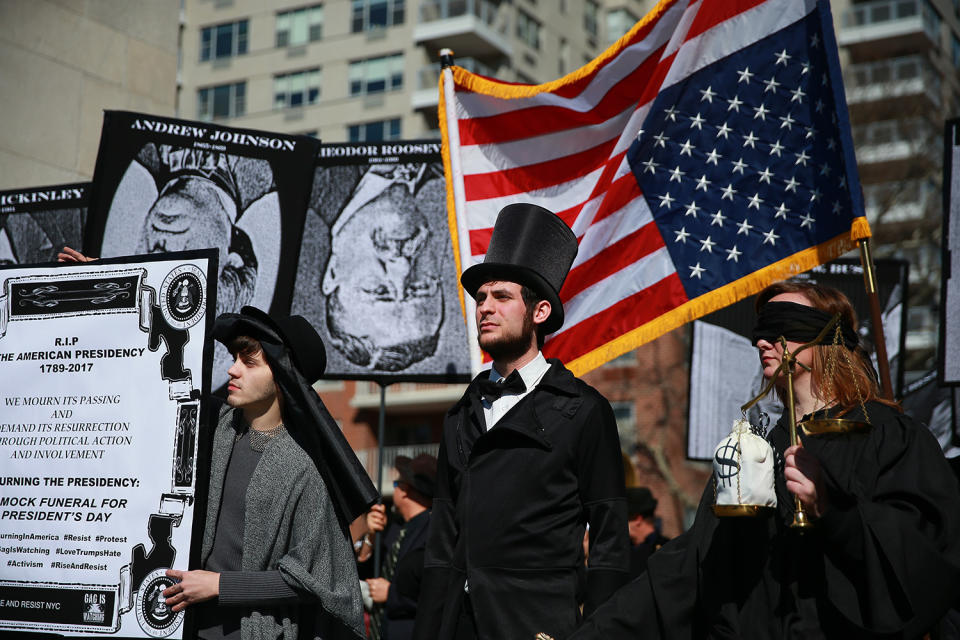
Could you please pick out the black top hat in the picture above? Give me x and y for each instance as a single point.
(530, 246)
(303, 342)
(640, 502)
(420, 473)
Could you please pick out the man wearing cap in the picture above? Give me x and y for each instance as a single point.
(529, 456)
(397, 590)
(645, 538)
(284, 485)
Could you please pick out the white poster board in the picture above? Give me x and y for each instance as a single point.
(102, 368)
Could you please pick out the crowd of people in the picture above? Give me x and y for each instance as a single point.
(522, 527)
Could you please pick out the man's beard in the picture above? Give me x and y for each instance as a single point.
(512, 347)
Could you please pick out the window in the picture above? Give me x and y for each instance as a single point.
(299, 26)
(628, 359)
(367, 15)
(624, 412)
(563, 60)
(619, 22)
(955, 50)
(296, 89)
(223, 101)
(375, 75)
(223, 40)
(378, 131)
(528, 30)
(591, 10)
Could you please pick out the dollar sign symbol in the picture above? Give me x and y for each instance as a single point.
(726, 459)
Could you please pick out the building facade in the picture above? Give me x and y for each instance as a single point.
(63, 63)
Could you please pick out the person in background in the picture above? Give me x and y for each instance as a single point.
(645, 536)
(397, 590)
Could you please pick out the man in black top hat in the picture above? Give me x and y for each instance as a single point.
(284, 486)
(397, 590)
(529, 456)
(645, 536)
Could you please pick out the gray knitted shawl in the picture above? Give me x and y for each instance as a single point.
(290, 525)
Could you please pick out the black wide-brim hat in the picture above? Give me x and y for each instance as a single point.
(303, 342)
(530, 246)
(640, 501)
(420, 473)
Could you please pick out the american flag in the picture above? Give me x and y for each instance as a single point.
(703, 156)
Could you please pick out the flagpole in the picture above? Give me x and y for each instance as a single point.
(876, 316)
(459, 201)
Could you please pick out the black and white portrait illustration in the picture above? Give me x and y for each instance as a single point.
(164, 185)
(36, 223)
(176, 199)
(377, 272)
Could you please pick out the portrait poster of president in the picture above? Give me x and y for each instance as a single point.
(376, 274)
(725, 370)
(104, 365)
(948, 353)
(172, 185)
(38, 222)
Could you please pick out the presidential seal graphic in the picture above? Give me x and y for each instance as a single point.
(155, 617)
(183, 296)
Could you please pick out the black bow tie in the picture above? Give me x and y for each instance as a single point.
(491, 390)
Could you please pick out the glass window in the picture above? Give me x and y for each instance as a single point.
(624, 412)
(299, 26)
(377, 131)
(223, 40)
(222, 101)
(375, 75)
(296, 89)
(591, 10)
(366, 15)
(619, 22)
(955, 50)
(528, 30)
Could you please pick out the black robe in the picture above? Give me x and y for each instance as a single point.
(883, 561)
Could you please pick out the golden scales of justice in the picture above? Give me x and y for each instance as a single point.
(813, 426)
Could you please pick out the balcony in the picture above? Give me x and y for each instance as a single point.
(904, 78)
(368, 458)
(408, 397)
(468, 27)
(913, 24)
(886, 141)
(426, 95)
(900, 201)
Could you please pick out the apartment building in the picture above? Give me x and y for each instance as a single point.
(902, 76)
(358, 70)
(62, 64)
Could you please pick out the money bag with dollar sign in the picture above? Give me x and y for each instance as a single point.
(743, 467)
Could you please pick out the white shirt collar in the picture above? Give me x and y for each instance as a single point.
(530, 372)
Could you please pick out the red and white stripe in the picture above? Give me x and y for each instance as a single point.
(565, 150)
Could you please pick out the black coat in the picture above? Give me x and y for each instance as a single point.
(510, 511)
(641, 552)
(882, 562)
(400, 609)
